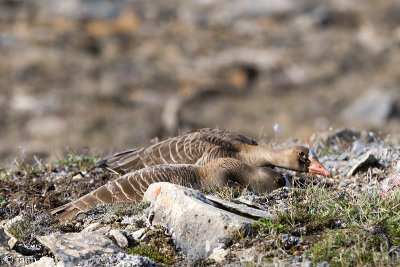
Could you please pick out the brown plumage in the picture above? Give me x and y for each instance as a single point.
(202, 146)
(219, 172)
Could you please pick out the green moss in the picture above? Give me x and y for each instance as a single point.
(269, 260)
(21, 229)
(267, 225)
(33, 224)
(132, 209)
(75, 163)
(149, 252)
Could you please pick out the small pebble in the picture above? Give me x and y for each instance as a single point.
(344, 183)
(137, 234)
(77, 177)
(122, 241)
(92, 227)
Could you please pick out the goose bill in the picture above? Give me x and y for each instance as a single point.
(317, 168)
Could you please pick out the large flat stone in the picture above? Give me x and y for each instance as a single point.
(240, 209)
(72, 248)
(196, 224)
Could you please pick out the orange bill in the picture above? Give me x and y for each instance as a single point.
(317, 168)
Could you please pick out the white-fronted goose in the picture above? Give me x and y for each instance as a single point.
(201, 146)
(219, 172)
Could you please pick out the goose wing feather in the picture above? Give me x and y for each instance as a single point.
(130, 188)
(190, 148)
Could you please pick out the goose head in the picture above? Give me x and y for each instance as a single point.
(305, 159)
(265, 179)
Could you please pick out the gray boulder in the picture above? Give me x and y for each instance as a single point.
(119, 237)
(197, 225)
(242, 209)
(119, 260)
(44, 261)
(73, 248)
(366, 161)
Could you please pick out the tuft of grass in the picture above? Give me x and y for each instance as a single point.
(2, 201)
(225, 193)
(266, 225)
(77, 163)
(318, 208)
(21, 229)
(355, 228)
(149, 252)
(34, 224)
(351, 248)
(21, 170)
(72, 163)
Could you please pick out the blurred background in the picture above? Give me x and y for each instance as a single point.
(92, 76)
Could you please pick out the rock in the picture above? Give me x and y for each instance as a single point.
(374, 107)
(249, 201)
(24, 103)
(368, 160)
(390, 184)
(16, 260)
(398, 166)
(289, 241)
(219, 254)
(358, 146)
(77, 177)
(5, 254)
(145, 238)
(372, 39)
(72, 248)
(122, 241)
(11, 242)
(8, 256)
(135, 221)
(196, 225)
(91, 227)
(343, 135)
(249, 255)
(344, 183)
(44, 261)
(119, 260)
(225, 12)
(240, 209)
(300, 231)
(103, 230)
(137, 234)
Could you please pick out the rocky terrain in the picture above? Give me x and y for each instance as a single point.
(80, 79)
(352, 218)
(110, 75)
